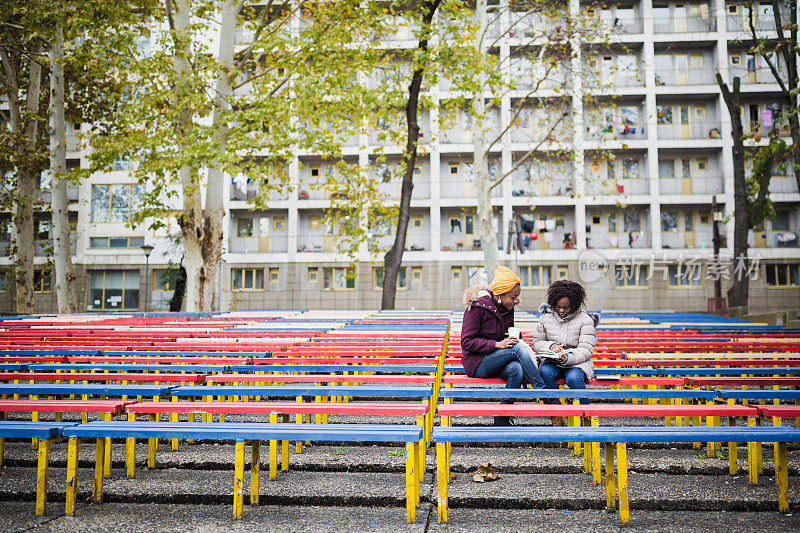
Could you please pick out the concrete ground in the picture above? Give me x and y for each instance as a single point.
(361, 488)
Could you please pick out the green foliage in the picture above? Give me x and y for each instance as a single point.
(766, 159)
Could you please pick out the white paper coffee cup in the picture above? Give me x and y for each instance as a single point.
(514, 332)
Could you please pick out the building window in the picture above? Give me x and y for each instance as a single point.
(116, 242)
(669, 222)
(377, 278)
(338, 278)
(664, 114)
(684, 275)
(313, 222)
(700, 111)
(783, 275)
(165, 280)
(781, 222)
(454, 169)
(274, 275)
(596, 220)
(702, 164)
(563, 272)
(113, 289)
(313, 275)
(631, 221)
(535, 276)
(244, 227)
(416, 274)
(697, 60)
(277, 223)
(416, 221)
(455, 273)
(115, 203)
(631, 275)
(247, 279)
(733, 9)
(42, 281)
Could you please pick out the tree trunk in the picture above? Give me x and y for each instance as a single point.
(739, 291)
(191, 217)
(26, 177)
(201, 227)
(62, 255)
(394, 257)
(480, 171)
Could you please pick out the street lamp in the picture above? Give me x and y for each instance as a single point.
(146, 248)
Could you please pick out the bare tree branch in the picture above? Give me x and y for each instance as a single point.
(772, 67)
(530, 152)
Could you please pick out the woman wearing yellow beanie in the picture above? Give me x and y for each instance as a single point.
(487, 350)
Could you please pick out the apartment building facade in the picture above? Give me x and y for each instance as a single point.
(629, 214)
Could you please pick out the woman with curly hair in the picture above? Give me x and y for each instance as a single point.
(565, 337)
(488, 351)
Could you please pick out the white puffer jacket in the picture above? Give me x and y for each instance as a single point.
(575, 331)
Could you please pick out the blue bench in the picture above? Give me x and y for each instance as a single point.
(128, 367)
(242, 433)
(68, 389)
(610, 436)
(45, 433)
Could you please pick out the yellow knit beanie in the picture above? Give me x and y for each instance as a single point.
(504, 280)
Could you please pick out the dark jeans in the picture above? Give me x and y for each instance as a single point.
(513, 365)
(575, 377)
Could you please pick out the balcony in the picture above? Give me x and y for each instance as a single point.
(740, 23)
(679, 24)
(538, 188)
(623, 240)
(773, 239)
(609, 81)
(249, 192)
(694, 130)
(783, 184)
(693, 185)
(627, 186)
(754, 75)
(251, 245)
(691, 76)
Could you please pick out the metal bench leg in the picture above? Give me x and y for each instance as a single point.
(587, 455)
(41, 476)
(733, 457)
(419, 453)
(130, 452)
(710, 446)
(412, 484)
(622, 474)
(238, 480)
(72, 475)
(255, 471)
(273, 450)
(99, 468)
(152, 446)
(782, 477)
(298, 446)
(442, 479)
(285, 447)
(596, 463)
(2, 441)
(752, 468)
(107, 450)
(611, 495)
(173, 417)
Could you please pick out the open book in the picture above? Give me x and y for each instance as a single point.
(549, 354)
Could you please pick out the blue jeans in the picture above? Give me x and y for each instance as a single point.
(513, 365)
(575, 377)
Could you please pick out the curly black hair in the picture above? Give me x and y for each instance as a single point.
(565, 288)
